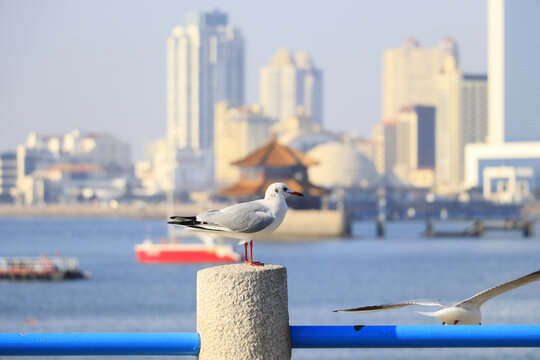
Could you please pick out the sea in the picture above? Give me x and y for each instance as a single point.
(323, 275)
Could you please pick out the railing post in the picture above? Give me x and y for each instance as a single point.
(242, 312)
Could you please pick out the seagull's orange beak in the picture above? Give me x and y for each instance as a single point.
(296, 193)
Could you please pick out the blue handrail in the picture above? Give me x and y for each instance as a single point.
(100, 344)
(415, 336)
(406, 336)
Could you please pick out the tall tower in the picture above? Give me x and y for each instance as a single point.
(239, 130)
(461, 119)
(205, 65)
(409, 74)
(514, 79)
(288, 83)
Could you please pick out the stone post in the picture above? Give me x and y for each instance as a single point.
(242, 312)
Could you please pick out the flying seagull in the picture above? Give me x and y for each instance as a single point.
(466, 312)
(244, 221)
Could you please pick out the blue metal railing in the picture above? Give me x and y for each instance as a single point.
(415, 336)
(407, 336)
(100, 344)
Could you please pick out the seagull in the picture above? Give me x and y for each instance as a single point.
(466, 312)
(244, 221)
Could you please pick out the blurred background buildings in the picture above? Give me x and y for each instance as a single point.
(445, 134)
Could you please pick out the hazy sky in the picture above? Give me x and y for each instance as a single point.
(101, 65)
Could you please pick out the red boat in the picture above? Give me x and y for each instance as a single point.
(171, 252)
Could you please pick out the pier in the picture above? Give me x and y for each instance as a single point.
(525, 226)
(242, 313)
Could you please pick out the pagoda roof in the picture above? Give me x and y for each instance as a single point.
(247, 188)
(274, 154)
(76, 168)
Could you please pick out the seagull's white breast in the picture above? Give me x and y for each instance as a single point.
(464, 316)
(278, 208)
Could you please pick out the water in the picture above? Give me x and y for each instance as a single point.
(124, 296)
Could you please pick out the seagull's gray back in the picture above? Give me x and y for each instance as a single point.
(249, 217)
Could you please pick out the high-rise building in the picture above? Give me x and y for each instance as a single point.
(514, 79)
(461, 119)
(409, 74)
(239, 131)
(474, 111)
(8, 175)
(289, 83)
(205, 65)
(508, 167)
(415, 144)
(390, 145)
(377, 136)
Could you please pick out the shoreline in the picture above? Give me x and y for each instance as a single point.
(299, 224)
(136, 211)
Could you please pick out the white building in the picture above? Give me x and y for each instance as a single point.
(514, 90)
(92, 147)
(461, 119)
(516, 155)
(41, 153)
(289, 83)
(238, 132)
(409, 74)
(514, 79)
(155, 173)
(409, 78)
(205, 65)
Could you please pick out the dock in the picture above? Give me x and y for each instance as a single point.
(478, 229)
(40, 268)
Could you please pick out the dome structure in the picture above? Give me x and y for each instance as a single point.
(306, 139)
(341, 165)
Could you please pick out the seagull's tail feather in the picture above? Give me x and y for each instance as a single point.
(183, 220)
(192, 222)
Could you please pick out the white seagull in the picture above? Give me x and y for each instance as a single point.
(244, 221)
(466, 312)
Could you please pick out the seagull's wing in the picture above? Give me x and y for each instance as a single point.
(487, 294)
(249, 217)
(373, 308)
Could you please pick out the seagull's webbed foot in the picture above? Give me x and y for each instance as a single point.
(255, 263)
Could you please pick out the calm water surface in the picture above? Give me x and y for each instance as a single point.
(124, 296)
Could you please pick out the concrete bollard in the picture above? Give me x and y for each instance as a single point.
(242, 312)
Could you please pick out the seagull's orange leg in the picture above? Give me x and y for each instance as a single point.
(251, 262)
(246, 260)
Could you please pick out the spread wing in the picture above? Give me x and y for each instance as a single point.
(373, 308)
(482, 297)
(249, 217)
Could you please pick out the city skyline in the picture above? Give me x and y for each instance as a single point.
(97, 69)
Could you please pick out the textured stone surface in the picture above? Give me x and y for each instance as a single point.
(242, 312)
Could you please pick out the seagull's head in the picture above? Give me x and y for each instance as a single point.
(280, 190)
